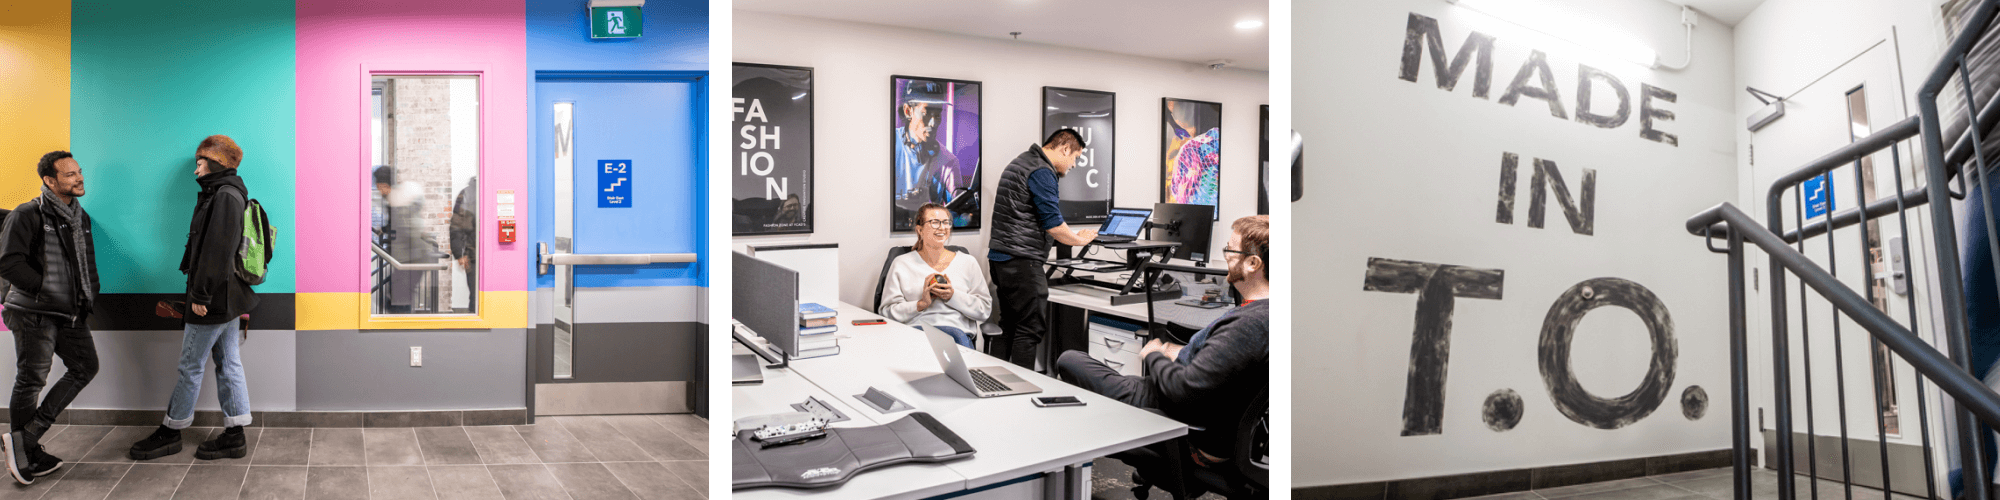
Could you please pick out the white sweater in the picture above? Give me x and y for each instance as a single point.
(970, 302)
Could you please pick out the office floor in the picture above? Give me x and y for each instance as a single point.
(622, 456)
(1112, 480)
(1693, 485)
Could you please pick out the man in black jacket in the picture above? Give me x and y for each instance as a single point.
(50, 265)
(1210, 382)
(1027, 223)
(216, 297)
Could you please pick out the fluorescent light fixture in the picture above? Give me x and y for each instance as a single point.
(1569, 30)
(1249, 24)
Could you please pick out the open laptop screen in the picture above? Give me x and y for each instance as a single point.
(1125, 222)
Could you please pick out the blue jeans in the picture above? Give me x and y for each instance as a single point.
(198, 343)
(1982, 305)
(956, 334)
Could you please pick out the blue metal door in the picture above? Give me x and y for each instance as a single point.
(620, 183)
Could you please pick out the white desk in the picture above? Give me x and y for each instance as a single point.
(783, 387)
(1013, 437)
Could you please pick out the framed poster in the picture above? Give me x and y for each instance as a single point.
(772, 178)
(1191, 161)
(1264, 159)
(934, 143)
(1086, 191)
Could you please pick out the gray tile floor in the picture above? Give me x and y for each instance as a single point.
(621, 456)
(1112, 480)
(1694, 485)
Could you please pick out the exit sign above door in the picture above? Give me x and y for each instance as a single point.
(615, 22)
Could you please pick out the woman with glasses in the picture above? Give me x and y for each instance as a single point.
(933, 285)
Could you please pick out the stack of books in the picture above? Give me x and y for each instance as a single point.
(817, 324)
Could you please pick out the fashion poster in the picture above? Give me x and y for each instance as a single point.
(1191, 133)
(1086, 190)
(935, 143)
(772, 138)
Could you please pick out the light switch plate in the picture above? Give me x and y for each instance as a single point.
(416, 356)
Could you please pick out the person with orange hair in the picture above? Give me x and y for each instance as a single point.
(216, 297)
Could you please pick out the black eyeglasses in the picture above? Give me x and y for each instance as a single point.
(1239, 252)
(937, 223)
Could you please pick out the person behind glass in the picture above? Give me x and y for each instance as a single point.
(1027, 223)
(1210, 382)
(932, 286)
(465, 236)
(50, 263)
(215, 298)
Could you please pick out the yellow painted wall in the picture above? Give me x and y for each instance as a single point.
(348, 311)
(34, 93)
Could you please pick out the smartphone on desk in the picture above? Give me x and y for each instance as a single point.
(1052, 401)
(869, 321)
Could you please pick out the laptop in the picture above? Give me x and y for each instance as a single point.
(1124, 225)
(984, 382)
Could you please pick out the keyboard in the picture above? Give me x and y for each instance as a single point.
(987, 383)
(1112, 238)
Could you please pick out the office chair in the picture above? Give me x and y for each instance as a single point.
(1168, 466)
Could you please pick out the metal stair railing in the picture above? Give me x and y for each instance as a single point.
(1978, 407)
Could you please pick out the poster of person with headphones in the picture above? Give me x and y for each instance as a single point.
(936, 144)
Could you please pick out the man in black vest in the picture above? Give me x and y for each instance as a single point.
(50, 264)
(1027, 222)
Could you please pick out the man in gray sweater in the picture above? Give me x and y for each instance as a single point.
(1210, 382)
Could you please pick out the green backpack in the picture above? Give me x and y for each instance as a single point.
(253, 255)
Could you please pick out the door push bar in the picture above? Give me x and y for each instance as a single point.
(573, 259)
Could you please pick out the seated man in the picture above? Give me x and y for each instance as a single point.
(935, 286)
(1210, 382)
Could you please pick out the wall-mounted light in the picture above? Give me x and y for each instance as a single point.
(1583, 34)
(1249, 24)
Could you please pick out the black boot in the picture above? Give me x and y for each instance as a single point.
(163, 442)
(45, 463)
(230, 444)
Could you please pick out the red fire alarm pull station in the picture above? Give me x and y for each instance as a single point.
(506, 230)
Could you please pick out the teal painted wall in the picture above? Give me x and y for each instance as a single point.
(150, 79)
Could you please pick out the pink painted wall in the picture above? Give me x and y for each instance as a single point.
(336, 39)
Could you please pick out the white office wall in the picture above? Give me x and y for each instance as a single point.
(1407, 171)
(852, 63)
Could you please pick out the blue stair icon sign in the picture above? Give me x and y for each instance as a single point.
(1818, 192)
(614, 183)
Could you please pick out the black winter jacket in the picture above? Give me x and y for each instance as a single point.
(1017, 230)
(209, 260)
(36, 284)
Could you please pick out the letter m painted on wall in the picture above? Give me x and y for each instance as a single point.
(1423, 33)
(1580, 209)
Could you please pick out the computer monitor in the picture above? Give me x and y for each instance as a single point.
(765, 298)
(1186, 224)
(1125, 222)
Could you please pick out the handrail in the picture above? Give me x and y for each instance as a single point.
(1942, 228)
(1970, 392)
(399, 265)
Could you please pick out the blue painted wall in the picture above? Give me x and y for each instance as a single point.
(675, 40)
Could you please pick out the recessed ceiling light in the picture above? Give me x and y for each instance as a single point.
(1249, 25)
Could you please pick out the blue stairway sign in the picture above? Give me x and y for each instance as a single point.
(614, 183)
(1819, 196)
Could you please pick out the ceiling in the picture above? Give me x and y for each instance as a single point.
(1729, 12)
(1194, 31)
